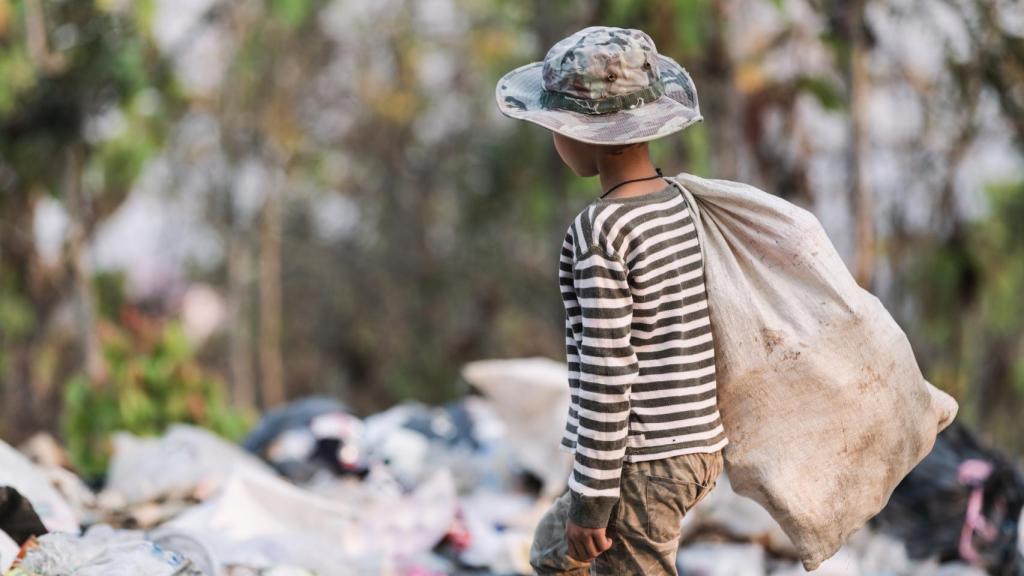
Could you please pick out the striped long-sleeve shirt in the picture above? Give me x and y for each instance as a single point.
(638, 344)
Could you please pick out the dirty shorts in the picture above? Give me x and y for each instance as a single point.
(645, 523)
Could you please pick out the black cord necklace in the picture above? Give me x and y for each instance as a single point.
(658, 175)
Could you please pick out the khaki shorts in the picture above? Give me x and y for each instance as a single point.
(645, 522)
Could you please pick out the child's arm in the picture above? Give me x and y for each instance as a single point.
(608, 366)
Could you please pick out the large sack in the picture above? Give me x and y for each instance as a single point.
(822, 399)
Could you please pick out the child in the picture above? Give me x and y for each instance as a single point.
(643, 422)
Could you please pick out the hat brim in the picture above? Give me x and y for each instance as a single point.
(518, 94)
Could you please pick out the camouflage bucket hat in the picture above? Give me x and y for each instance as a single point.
(602, 85)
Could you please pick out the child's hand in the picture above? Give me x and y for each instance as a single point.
(585, 544)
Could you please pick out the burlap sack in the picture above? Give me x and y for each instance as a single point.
(821, 396)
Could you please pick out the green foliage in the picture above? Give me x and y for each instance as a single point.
(292, 12)
(937, 277)
(968, 289)
(999, 247)
(824, 91)
(16, 76)
(16, 317)
(145, 392)
(692, 18)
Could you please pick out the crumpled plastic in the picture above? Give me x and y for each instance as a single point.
(20, 473)
(8, 551)
(186, 461)
(103, 551)
(532, 396)
(264, 521)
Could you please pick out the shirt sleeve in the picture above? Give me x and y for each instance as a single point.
(608, 365)
(572, 357)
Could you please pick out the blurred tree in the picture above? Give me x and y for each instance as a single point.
(84, 102)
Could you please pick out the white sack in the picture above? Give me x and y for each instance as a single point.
(822, 399)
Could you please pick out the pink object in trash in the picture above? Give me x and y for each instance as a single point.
(973, 473)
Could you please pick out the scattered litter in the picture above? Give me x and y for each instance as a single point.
(532, 397)
(18, 520)
(8, 551)
(102, 551)
(961, 502)
(307, 437)
(500, 530)
(262, 521)
(187, 462)
(709, 559)
(736, 517)
(18, 472)
(419, 490)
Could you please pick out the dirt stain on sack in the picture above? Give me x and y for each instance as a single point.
(774, 339)
(771, 339)
(871, 380)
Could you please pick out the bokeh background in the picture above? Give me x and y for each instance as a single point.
(210, 207)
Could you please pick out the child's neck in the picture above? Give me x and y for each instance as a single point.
(628, 165)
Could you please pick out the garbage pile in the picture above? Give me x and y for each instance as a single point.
(424, 491)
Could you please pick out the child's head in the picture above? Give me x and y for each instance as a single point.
(585, 158)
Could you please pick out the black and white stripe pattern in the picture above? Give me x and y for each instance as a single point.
(638, 343)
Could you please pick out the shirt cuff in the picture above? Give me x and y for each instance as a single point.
(590, 512)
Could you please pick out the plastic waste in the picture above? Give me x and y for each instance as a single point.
(16, 471)
(500, 529)
(931, 509)
(186, 462)
(103, 551)
(822, 399)
(263, 521)
(531, 395)
(309, 436)
(18, 520)
(738, 517)
(709, 559)
(196, 551)
(8, 551)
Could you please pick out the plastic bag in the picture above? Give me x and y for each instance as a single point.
(18, 472)
(187, 461)
(822, 399)
(103, 551)
(532, 397)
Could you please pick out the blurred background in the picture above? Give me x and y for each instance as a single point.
(209, 208)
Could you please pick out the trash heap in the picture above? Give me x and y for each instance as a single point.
(423, 491)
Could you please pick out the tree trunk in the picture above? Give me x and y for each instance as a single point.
(271, 364)
(862, 196)
(239, 263)
(78, 233)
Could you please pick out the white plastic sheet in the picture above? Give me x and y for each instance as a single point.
(262, 521)
(20, 473)
(186, 461)
(821, 396)
(103, 551)
(8, 551)
(532, 396)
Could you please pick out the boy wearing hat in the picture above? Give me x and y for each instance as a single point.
(643, 424)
